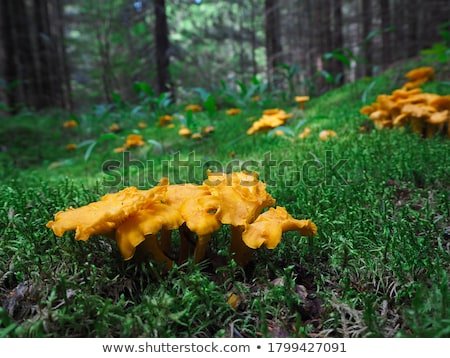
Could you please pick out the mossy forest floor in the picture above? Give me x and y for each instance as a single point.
(379, 266)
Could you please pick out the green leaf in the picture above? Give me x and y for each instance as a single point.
(189, 119)
(210, 105)
(243, 88)
(202, 92)
(142, 87)
(346, 60)
(93, 143)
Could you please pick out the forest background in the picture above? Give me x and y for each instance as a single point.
(72, 54)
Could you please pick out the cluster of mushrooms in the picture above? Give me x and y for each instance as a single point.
(270, 119)
(142, 221)
(425, 113)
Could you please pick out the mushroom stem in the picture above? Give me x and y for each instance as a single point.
(200, 248)
(150, 244)
(241, 252)
(186, 242)
(166, 241)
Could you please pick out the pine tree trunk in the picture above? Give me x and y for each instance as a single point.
(10, 71)
(412, 19)
(338, 39)
(273, 38)
(161, 34)
(27, 69)
(43, 53)
(385, 14)
(62, 56)
(366, 18)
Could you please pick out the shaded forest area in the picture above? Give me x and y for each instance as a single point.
(69, 54)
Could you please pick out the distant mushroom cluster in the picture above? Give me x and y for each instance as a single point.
(132, 140)
(270, 119)
(143, 220)
(425, 113)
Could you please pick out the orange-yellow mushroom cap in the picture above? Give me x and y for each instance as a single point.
(134, 140)
(420, 73)
(185, 132)
(149, 221)
(268, 228)
(102, 216)
(242, 196)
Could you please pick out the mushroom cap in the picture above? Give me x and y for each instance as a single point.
(101, 217)
(196, 136)
(369, 108)
(327, 133)
(134, 140)
(420, 73)
(418, 110)
(193, 108)
(268, 228)
(233, 111)
(199, 213)
(209, 129)
(114, 127)
(439, 117)
(241, 195)
(149, 221)
(404, 93)
(185, 132)
(70, 123)
(441, 102)
(164, 120)
(301, 99)
(196, 205)
(271, 118)
(306, 132)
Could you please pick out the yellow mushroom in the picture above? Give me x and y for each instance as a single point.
(268, 228)
(242, 197)
(301, 100)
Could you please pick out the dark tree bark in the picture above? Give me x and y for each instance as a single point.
(162, 46)
(43, 54)
(64, 71)
(10, 71)
(323, 41)
(273, 38)
(385, 14)
(412, 38)
(102, 33)
(366, 18)
(25, 53)
(338, 38)
(253, 37)
(310, 34)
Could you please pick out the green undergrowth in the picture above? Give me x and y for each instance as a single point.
(379, 266)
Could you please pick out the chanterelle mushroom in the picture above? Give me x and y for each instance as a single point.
(268, 228)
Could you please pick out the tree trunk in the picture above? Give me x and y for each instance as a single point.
(323, 42)
(385, 14)
(62, 56)
(161, 34)
(273, 38)
(412, 39)
(253, 37)
(43, 54)
(338, 39)
(27, 69)
(10, 71)
(367, 43)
